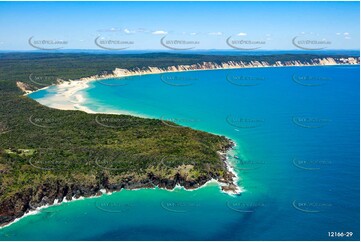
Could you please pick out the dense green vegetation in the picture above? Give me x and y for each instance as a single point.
(68, 144)
(44, 150)
(42, 145)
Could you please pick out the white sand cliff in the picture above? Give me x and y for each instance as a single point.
(69, 98)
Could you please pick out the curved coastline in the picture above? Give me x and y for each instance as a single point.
(223, 186)
(72, 87)
(82, 84)
(205, 66)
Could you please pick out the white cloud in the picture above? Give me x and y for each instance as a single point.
(346, 33)
(242, 34)
(159, 32)
(215, 33)
(338, 33)
(127, 31)
(347, 37)
(193, 33)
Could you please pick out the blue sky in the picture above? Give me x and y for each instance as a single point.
(206, 24)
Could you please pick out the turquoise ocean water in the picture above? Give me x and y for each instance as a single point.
(297, 156)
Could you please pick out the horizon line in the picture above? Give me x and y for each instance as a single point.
(163, 50)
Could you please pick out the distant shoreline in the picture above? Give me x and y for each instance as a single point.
(70, 88)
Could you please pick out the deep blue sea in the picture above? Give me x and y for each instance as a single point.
(297, 156)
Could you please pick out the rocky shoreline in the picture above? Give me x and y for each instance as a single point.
(49, 193)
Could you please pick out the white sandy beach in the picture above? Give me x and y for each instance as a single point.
(67, 96)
